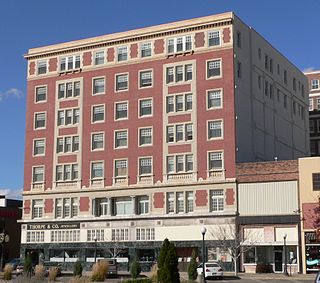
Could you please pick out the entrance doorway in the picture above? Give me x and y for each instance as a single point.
(278, 255)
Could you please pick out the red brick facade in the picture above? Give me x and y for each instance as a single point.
(201, 198)
(158, 200)
(48, 205)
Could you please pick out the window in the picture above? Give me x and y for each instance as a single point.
(316, 181)
(121, 110)
(123, 206)
(64, 236)
(213, 69)
(35, 236)
(294, 84)
(145, 136)
(69, 89)
(179, 103)
(217, 200)
(215, 160)
(41, 94)
(266, 62)
(310, 104)
(121, 168)
(271, 66)
(69, 63)
(318, 103)
(67, 172)
(259, 53)
(97, 170)
(101, 207)
(266, 88)
(67, 144)
(179, 163)
(42, 67)
(40, 120)
(38, 147)
(284, 101)
(214, 99)
(145, 166)
(146, 50)
(215, 129)
(259, 81)
(97, 141)
(38, 174)
(99, 57)
(179, 202)
(98, 86)
(122, 82)
(179, 73)
(170, 202)
(68, 117)
(239, 71)
(145, 79)
(145, 107)
(189, 203)
(67, 207)
(179, 44)
(314, 84)
(37, 208)
(120, 234)
(121, 139)
(179, 132)
(95, 235)
(238, 39)
(122, 53)
(97, 113)
(145, 234)
(143, 205)
(214, 38)
(285, 80)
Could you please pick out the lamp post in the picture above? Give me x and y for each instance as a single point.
(285, 271)
(95, 249)
(203, 232)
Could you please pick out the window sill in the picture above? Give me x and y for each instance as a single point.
(183, 53)
(65, 72)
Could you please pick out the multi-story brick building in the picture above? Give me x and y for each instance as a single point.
(133, 137)
(314, 111)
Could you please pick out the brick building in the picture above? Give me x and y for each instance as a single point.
(133, 137)
(314, 111)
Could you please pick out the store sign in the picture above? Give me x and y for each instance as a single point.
(55, 226)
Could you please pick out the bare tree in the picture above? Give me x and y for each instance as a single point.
(233, 242)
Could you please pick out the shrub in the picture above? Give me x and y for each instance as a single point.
(135, 269)
(78, 279)
(154, 273)
(53, 273)
(77, 269)
(192, 268)
(140, 280)
(39, 271)
(7, 275)
(27, 268)
(99, 271)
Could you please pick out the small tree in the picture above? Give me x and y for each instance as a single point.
(135, 269)
(192, 268)
(77, 269)
(27, 268)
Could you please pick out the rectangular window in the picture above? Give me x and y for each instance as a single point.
(145, 234)
(69, 63)
(170, 202)
(188, 72)
(214, 38)
(215, 160)
(101, 206)
(188, 101)
(314, 84)
(99, 57)
(97, 113)
(318, 103)
(145, 166)
(145, 107)
(97, 141)
(68, 117)
(121, 168)
(179, 44)
(40, 121)
(42, 67)
(98, 86)
(316, 181)
(189, 204)
(97, 170)
(37, 208)
(170, 164)
(180, 163)
(122, 82)
(179, 74)
(189, 132)
(213, 69)
(38, 174)
(75, 143)
(214, 99)
(41, 94)
(121, 139)
(122, 53)
(145, 79)
(143, 205)
(189, 162)
(121, 110)
(180, 202)
(285, 79)
(217, 200)
(70, 89)
(38, 147)
(239, 71)
(146, 50)
(170, 75)
(179, 133)
(214, 129)
(145, 136)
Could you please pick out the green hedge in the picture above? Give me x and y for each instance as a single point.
(139, 280)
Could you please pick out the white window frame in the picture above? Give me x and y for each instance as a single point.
(94, 86)
(93, 121)
(95, 134)
(36, 114)
(176, 40)
(217, 200)
(42, 62)
(314, 84)
(211, 34)
(150, 160)
(222, 160)
(214, 61)
(214, 124)
(34, 168)
(142, 48)
(116, 111)
(97, 57)
(148, 72)
(36, 100)
(121, 161)
(215, 92)
(115, 138)
(35, 147)
(140, 101)
(149, 129)
(94, 163)
(117, 76)
(73, 61)
(122, 50)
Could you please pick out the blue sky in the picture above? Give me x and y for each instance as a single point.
(292, 26)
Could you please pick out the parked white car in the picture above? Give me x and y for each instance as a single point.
(211, 269)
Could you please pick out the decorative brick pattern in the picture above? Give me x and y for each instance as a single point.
(84, 204)
(67, 159)
(87, 58)
(134, 50)
(179, 88)
(110, 54)
(158, 200)
(53, 64)
(158, 46)
(310, 215)
(68, 104)
(32, 68)
(230, 200)
(226, 35)
(267, 171)
(201, 198)
(48, 205)
(199, 39)
(26, 206)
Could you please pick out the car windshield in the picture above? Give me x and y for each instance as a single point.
(212, 265)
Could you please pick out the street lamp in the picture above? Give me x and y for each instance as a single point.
(203, 232)
(285, 271)
(95, 249)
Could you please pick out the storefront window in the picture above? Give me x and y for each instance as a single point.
(250, 256)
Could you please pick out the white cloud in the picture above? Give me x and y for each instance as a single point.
(11, 193)
(12, 92)
(309, 69)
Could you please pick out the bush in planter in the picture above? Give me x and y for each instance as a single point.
(135, 269)
(99, 271)
(7, 275)
(140, 280)
(77, 269)
(192, 268)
